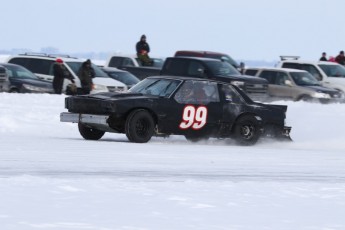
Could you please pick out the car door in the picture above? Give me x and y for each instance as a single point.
(193, 110)
(278, 87)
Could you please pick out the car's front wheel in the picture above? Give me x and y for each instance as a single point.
(139, 126)
(89, 133)
(247, 130)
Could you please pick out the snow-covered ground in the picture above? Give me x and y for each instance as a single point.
(51, 178)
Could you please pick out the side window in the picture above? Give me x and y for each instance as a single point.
(291, 65)
(230, 95)
(40, 66)
(197, 92)
(269, 76)
(251, 72)
(174, 67)
(115, 62)
(19, 61)
(312, 70)
(280, 78)
(195, 69)
(128, 62)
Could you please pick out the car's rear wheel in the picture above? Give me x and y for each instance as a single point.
(139, 126)
(89, 133)
(247, 130)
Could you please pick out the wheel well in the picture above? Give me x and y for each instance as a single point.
(13, 89)
(303, 96)
(118, 123)
(243, 115)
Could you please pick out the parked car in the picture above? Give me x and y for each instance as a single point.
(120, 75)
(293, 84)
(330, 74)
(4, 81)
(214, 69)
(24, 81)
(193, 107)
(42, 66)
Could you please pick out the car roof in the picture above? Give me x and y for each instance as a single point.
(199, 52)
(310, 62)
(10, 64)
(53, 57)
(197, 58)
(276, 69)
(184, 78)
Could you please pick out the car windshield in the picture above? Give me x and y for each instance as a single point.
(304, 78)
(226, 58)
(125, 77)
(20, 72)
(222, 69)
(75, 66)
(333, 70)
(156, 87)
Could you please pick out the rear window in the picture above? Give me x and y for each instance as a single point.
(251, 72)
(35, 65)
(175, 67)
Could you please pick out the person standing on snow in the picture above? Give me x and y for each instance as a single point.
(85, 74)
(340, 58)
(60, 73)
(323, 57)
(143, 49)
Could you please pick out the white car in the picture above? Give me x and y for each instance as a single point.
(330, 74)
(42, 66)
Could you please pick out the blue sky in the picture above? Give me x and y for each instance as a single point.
(245, 29)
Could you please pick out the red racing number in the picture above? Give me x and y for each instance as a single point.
(194, 118)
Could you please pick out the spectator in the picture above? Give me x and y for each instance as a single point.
(60, 73)
(242, 68)
(143, 49)
(85, 74)
(323, 57)
(340, 58)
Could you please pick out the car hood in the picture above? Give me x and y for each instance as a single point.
(322, 89)
(107, 81)
(115, 95)
(244, 78)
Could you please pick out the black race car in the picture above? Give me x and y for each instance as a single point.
(162, 106)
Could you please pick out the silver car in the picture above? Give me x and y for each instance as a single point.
(293, 84)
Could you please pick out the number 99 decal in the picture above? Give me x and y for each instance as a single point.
(194, 118)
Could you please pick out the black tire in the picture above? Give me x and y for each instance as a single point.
(89, 133)
(247, 130)
(139, 126)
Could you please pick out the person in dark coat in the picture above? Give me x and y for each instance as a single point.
(60, 73)
(85, 74)
(143, 49)
(340, 58)
(323, 57)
